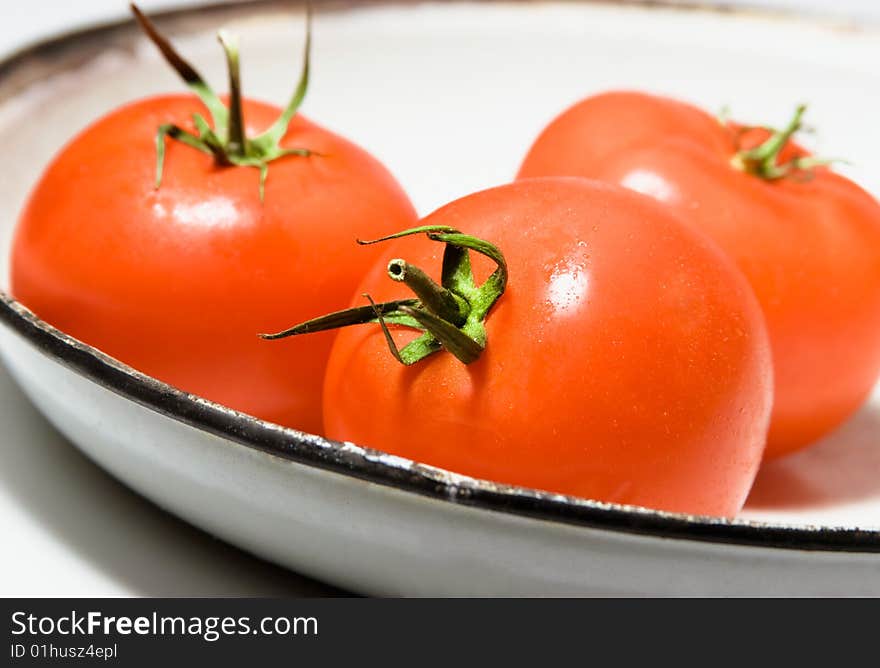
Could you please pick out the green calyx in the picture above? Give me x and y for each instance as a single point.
(763, 160)
(226, 141)
(450, 315)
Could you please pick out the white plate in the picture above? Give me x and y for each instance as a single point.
(494, 73)
(72, 530)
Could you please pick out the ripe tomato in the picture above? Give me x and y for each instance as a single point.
(807, 239)
(627, 360)
(178, 280)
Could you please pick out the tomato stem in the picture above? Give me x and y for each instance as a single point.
(451, 315)
(438, 299)
(227, 141)
(763, 160)
(352, 316)
(236, 142)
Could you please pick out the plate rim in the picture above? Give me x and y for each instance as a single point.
(371, 465)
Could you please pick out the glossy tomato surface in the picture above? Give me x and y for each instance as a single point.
(627, 361)
(178, 281)
(809, 243)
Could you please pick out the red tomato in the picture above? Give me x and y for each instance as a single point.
(627, 360)
(177, 281)
(808, 241)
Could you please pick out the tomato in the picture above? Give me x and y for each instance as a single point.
(807, 239)
(177, 281)
(626, 360)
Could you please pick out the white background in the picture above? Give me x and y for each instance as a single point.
(50, 495)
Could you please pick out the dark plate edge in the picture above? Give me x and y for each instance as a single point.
(365, 464)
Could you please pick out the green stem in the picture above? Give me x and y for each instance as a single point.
(227, 141)
(445, 303)
(236, 142)
(451, 315)
(352, 316)
(195, 81)
(763, 160)
(278, 129)
(465, 348)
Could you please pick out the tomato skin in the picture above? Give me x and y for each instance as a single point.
(809, 248)
(177, 282)
(627, 361)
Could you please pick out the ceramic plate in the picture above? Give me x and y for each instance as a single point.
(494, 73)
